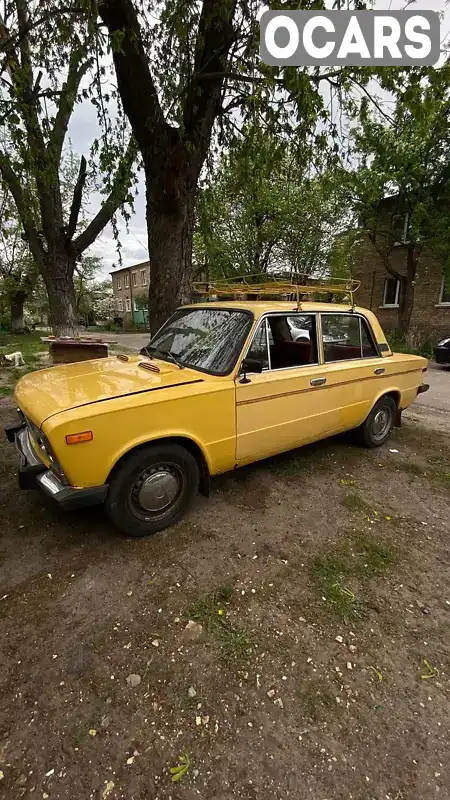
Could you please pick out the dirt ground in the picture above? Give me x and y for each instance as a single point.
(318, 665)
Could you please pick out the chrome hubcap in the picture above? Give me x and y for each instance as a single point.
(381, 423)
(157, 488)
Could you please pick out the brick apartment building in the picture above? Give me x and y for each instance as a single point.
(380, 292)
(129, 283)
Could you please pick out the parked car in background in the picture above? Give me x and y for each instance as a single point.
(222, 384)
(442, 352)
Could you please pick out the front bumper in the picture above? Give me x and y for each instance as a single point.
(33, 474)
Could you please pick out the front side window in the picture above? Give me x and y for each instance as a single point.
(119, 282)
(258, 349)
(293, 340)
(346, 337)
(127, 304)
(126, 281)
(134, 278)
(208, 339)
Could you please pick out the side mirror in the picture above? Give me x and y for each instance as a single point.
(250, 365)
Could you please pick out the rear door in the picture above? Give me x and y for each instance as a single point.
(283, 407)
(352, 367)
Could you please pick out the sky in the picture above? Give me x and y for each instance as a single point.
(84, 128)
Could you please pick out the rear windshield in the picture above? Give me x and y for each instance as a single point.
(208, 339)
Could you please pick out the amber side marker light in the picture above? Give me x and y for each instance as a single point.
(76, 438)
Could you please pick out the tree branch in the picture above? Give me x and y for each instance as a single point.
(10, 59)
(23, 205)
(384, 257)
(45, 171)
(215, 37)
(76, 200)
(374, 102)
(134, 79)
(115, 198)
(77, 69)
(12, 39)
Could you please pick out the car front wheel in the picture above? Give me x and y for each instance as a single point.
(378, 426)
(152, 489)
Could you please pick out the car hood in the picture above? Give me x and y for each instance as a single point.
(47, 392)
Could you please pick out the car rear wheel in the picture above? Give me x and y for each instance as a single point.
(378, 426)
(152, 489)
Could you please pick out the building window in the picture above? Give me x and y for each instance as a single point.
(120, 305)
(391, 292)
(444, 297)
(126, 281)
(143, 277)
(127, 304)
(134, 278)
(119, 282)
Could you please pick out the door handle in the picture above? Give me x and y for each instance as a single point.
(318, 381)
(379, 371)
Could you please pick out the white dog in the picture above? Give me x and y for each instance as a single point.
(16, 359)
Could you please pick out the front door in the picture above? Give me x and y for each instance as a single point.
(284, 406)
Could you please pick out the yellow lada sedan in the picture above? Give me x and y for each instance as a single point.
(220, 385)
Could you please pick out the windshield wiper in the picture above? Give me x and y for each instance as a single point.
(167, 354)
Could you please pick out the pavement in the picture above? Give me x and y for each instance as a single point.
(131, 341)
(431, 409)
(438, 395)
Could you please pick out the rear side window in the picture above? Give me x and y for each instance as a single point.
(346, 337)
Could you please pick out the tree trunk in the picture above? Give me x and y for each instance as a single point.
(17, 303)
(407, 283)
(58, 278)
(170, 235)
(405, 308)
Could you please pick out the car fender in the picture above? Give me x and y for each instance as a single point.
(168, 434)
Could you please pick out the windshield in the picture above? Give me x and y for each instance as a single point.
(208, 339)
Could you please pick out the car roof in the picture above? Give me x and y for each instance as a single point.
(260, 307)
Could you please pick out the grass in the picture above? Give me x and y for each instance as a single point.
(211, 611)
(353, 502)
(316, 699)
(290, 464)
(314, 457)
(360, 558)
(439, 471)
(415, 344)
(411, 468)
(29, 345)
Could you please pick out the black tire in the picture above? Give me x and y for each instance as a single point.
(377, 428)
(152, 475)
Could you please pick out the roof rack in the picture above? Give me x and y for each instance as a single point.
(276, 284)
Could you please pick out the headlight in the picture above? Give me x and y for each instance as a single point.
(444, 342)
(45, 446)
(36, 434)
